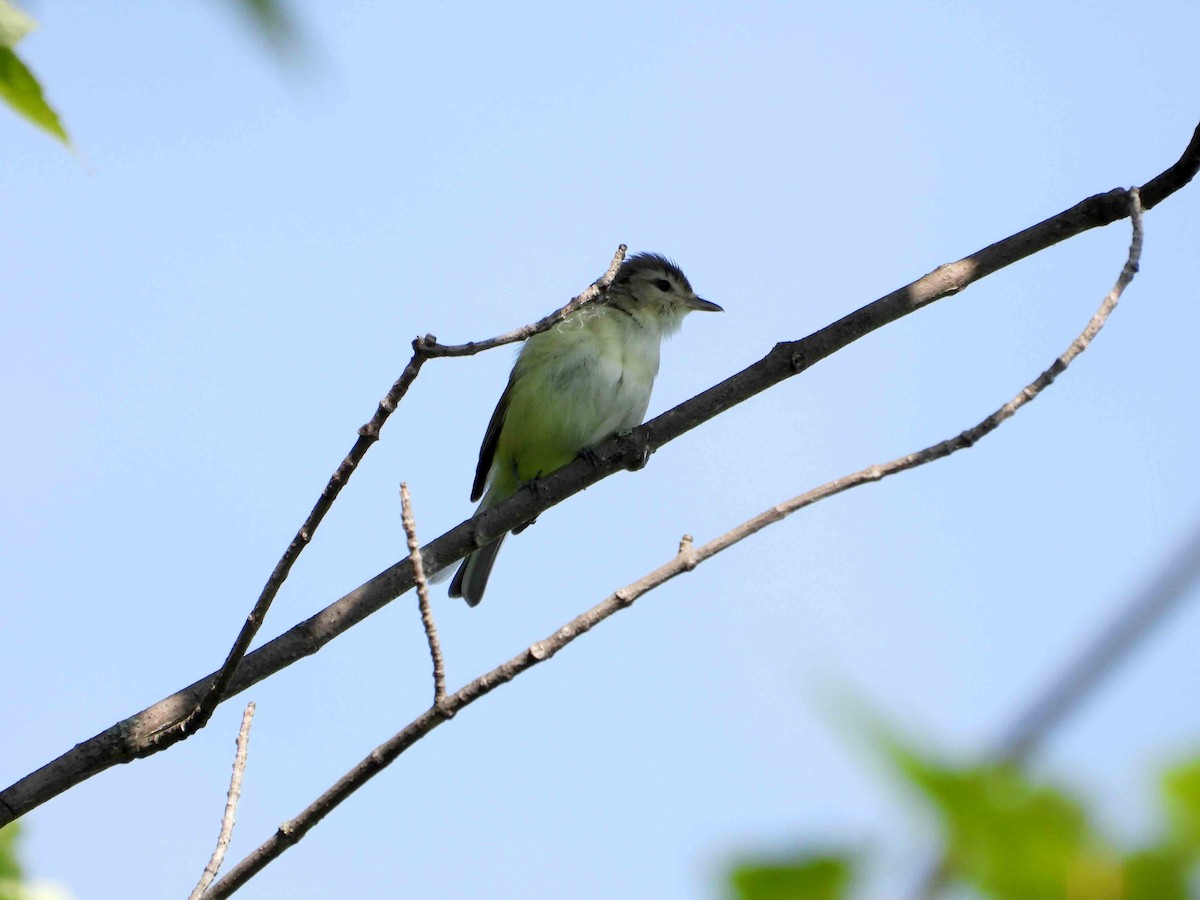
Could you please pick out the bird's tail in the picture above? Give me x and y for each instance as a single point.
(472, 576)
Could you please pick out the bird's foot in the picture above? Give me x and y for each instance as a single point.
(590, 454)
(538, 491)
(637, 449)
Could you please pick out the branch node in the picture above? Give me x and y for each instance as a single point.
(424, 345)
(539, 650)
(686, 555)
(287, 832)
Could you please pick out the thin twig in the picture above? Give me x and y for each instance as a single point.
(431, 635)
(593, 292)
(231, 803)
(685, 560)
(127, 739)
(424, 348)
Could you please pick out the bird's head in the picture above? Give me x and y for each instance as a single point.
(655, 292)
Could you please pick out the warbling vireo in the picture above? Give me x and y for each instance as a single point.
(573, 386)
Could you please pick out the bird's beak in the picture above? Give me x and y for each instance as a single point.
(698, 305)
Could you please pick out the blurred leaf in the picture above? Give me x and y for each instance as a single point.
(1181, 791)
(1008, 837)
(14, 24)
(8, 853)
(18, 86)
(20, 89)
(1156, 875)
(273, 21)
(815, 877)
(10, 871)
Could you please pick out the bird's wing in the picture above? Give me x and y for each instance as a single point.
(487, 451)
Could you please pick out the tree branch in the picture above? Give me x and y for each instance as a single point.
(127, 739)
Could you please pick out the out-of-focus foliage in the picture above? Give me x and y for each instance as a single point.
(13, 885)
(10, 872)
(818, 877)
(272, 20)
(1010, 838)
(18, 86)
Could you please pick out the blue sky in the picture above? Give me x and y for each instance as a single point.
(204, 303)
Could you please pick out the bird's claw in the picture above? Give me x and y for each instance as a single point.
(637, 452)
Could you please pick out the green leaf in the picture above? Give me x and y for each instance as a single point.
(1159, 874)
(14, 24)
(1181, 792)
(10, 871)
(1008, 837)
(810, 877)
(20, 89)
(273, 21)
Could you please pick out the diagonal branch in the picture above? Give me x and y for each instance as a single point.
(423, 348)
(686, 559)
(127, 739)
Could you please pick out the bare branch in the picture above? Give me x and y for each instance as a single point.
(414, 550)
(686, 559)
(231, 803)
(127, 739)
(423, 348)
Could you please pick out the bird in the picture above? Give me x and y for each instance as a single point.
(585, 379)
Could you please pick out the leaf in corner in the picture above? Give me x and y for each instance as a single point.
(20, 89)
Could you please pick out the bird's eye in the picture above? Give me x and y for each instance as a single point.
(662, 284)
